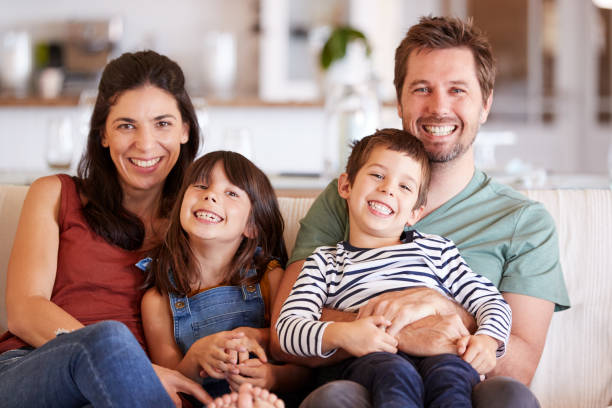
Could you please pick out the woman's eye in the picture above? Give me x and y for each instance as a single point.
(126, 126)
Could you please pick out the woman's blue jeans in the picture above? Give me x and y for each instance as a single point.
(100, 365)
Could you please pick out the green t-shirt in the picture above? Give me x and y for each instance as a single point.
(500, 233)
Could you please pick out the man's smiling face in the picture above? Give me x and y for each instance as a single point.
(441, 101)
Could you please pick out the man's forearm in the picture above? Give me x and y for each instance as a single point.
(432, 335)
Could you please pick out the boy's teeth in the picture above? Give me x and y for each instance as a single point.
(206, 215)
(440, 130)
(381, 208)
(146, 163)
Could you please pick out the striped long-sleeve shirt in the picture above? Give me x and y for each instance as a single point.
(345, 278)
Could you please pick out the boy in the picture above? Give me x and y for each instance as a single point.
(385, 187)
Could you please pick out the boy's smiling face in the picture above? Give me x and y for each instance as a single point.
(382, 198)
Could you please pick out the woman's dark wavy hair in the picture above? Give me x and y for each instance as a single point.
(175, 253)
(97, 176)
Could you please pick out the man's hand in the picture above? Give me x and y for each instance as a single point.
(432, 335)
(175, 382)
(408, 306)
(479, 351)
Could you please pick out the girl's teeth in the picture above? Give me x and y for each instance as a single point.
(381, 208)
(440, 130)
(205, 215)
(145, 163)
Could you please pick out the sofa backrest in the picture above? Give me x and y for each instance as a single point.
(576, 366)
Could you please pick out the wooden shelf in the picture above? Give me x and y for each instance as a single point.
(37, 101)
(200, 101)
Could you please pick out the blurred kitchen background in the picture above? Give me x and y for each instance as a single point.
(254, 72)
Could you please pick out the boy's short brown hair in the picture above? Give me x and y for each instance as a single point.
(397, 141)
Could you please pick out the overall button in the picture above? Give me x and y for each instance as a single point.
(180, 304)
(251, 288)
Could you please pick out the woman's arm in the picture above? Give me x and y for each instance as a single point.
(33, 265)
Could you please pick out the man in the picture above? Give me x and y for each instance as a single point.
(444, 77)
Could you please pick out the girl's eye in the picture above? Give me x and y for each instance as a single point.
(405, 187)
(200, 186)
(376, 176)
(232, 194)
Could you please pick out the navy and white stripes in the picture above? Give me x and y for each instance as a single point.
(345, 278)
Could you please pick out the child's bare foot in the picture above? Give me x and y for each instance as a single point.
(248, 397)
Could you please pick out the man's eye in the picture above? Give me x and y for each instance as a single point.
(422, 90)
(163, 123)
(457, 91)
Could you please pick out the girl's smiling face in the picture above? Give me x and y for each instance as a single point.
(144, 131)
(216, 210)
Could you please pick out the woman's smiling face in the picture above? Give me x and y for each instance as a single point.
(144, 131)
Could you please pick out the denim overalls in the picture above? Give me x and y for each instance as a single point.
(218, 309)
(215, 310)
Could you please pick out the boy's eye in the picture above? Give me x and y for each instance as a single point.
(377, 176)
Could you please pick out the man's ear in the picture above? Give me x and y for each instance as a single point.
(344, 187)
(484, 114)
(399, 110)
(415, 215)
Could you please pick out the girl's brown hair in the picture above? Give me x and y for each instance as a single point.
(175, 253)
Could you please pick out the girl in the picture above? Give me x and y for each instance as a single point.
(215, 277)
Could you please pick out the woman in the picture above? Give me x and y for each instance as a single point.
(73, 291)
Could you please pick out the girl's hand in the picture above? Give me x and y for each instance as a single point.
(368, 335)
(240, 348)
(254, 372)
(213, 357)
(478, 350)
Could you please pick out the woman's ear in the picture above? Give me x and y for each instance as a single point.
(185, 135)
(103, 141)
(344, 187)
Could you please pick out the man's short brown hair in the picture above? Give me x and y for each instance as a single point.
(435, 33)
(397, 141)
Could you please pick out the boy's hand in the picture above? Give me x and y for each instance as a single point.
(365, 336)
(478, 350)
